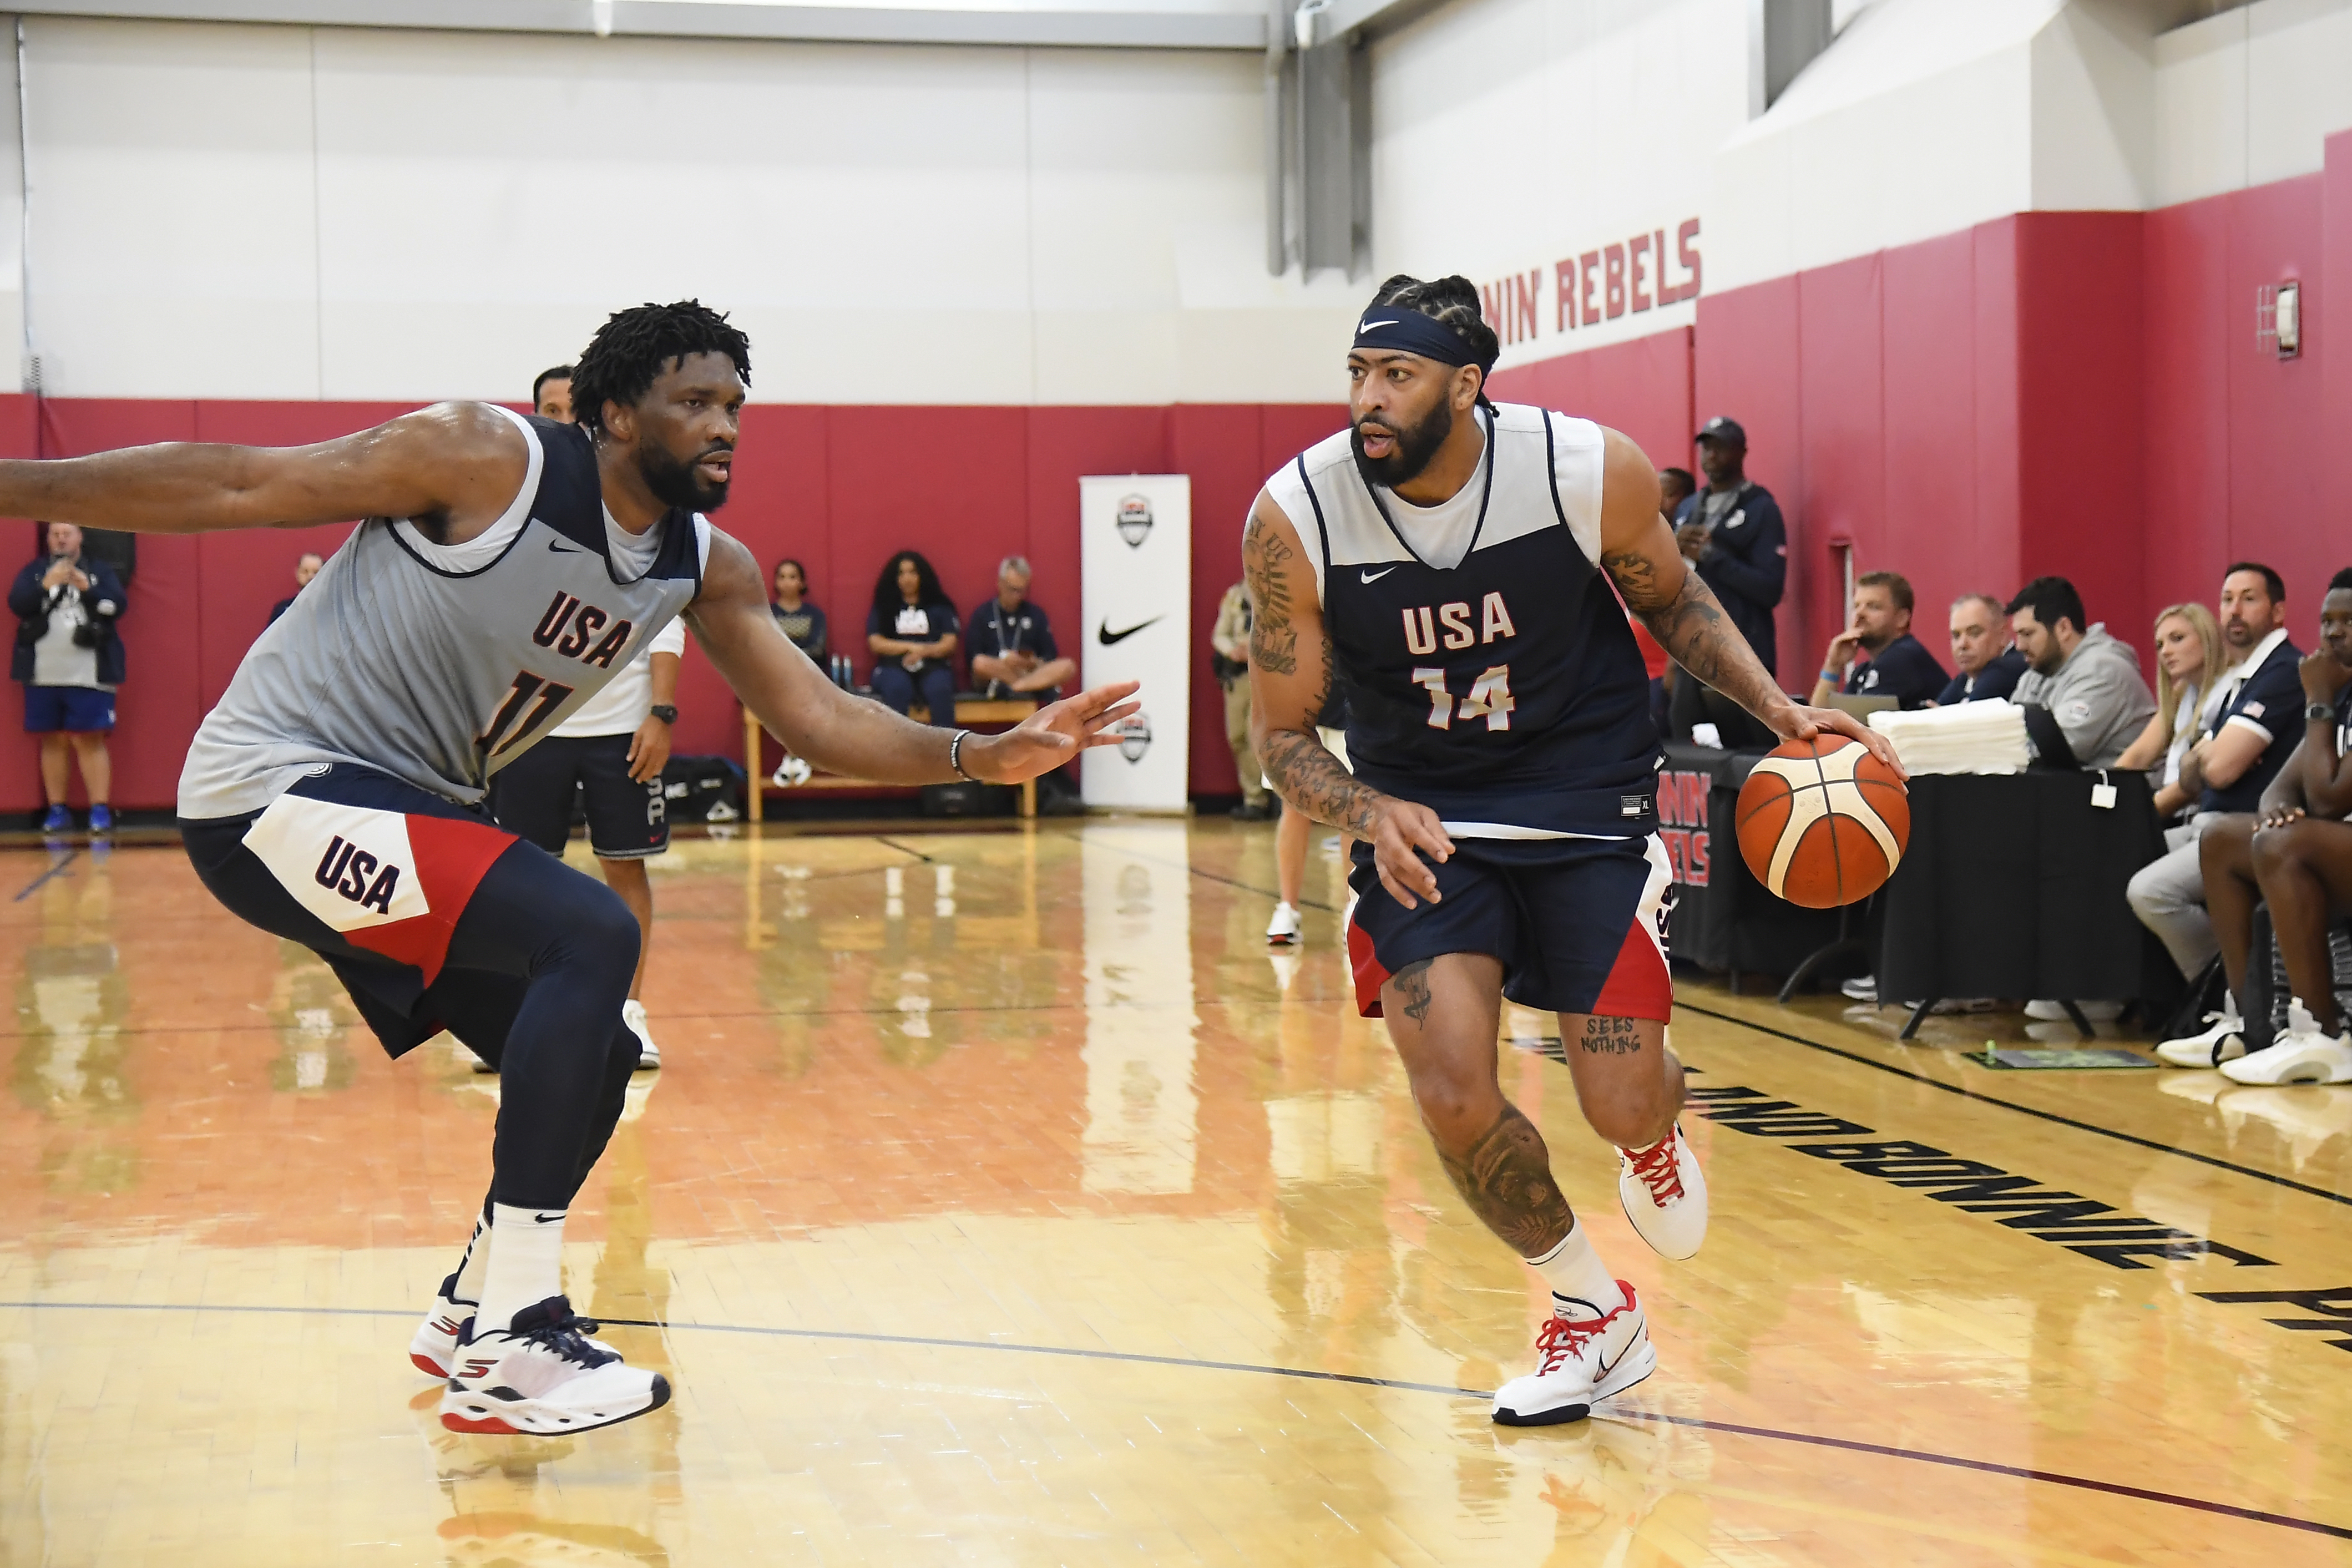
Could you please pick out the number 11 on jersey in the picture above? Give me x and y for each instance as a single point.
(1489, 698)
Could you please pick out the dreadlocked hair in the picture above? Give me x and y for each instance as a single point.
(634, 346)
(1453, 301)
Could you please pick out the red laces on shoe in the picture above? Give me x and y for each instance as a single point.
(1658, 1169)
(1562, 1338)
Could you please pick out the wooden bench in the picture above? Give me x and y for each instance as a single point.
(969, 712)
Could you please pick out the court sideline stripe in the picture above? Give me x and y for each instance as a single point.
(1696, 1422)
(2133, 1137)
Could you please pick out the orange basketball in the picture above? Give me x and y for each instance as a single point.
(1823, 822)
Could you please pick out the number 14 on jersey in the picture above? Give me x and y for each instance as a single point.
(1489, 698)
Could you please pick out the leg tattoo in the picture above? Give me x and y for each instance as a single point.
(1413, 985)
(1611, 1036)
(1506, 1177)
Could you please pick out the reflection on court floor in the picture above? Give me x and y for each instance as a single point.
(1001, 1199)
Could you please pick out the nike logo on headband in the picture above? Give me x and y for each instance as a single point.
(1368, 326)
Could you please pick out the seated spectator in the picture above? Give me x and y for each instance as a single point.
(912, 633)
(69, 658)
(1013, 651)
(2244, 733)
(1675, 486)
(304, 569)
(2082, 691)
(802, 622)
(1987, 664)
(1898, 667)
(2295, 854)
(2188, 665)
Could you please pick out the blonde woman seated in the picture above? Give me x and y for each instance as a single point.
(2190, 655)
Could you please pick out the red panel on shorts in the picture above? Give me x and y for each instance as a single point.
(1639, 986)
(452, 859)
(1370, 976)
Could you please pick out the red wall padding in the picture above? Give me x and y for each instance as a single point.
(840, 488)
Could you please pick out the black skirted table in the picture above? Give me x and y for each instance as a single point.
(2013, 886)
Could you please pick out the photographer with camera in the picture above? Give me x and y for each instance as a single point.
(70, 659)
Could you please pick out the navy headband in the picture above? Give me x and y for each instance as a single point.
(1395, 329)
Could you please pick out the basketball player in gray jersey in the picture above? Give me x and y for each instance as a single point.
(506, 569)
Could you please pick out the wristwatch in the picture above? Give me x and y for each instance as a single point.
(663, 711)
(2318, 713)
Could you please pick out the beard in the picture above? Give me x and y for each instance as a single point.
(676, 483)
(1414, 447)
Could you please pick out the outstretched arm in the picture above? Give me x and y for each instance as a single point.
(1290, 681)
(850, 735)
(454, 467)
(1639, 553)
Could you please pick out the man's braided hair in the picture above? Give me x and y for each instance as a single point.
(634, 346)
(1452, 302)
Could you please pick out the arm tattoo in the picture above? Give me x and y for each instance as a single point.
(1413, 987)
(1690, 625)
(1310, 778)
(1274, 642)
(1611, 1036)
(1506, 1178)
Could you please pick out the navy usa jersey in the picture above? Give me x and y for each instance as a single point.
(1487, 663)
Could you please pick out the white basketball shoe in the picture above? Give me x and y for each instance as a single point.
(1579, 1360)
(633, 1013)
(543, 1374)
(435, 1344)
(2304, 1053)
(2222, 1041)
(1663, 1193)
(1282, 930)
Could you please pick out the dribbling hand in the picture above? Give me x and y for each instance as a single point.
(1051, 735)
(1798, 723)
(1399, 828)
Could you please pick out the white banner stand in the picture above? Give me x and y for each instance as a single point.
(1134, 544)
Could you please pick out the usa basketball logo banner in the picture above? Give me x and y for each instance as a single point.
(1135, 533)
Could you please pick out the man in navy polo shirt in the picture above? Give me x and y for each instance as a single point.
(1987, 664)
(1013, 655)
(2249, 726)
(1898, 667)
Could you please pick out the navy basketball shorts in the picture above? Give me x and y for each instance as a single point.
(532, 798)
(374, 875)
(1579, 924)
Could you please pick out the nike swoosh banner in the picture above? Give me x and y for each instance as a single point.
(1134, 541)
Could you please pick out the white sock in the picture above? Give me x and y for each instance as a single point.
(526, 1266)
(1581, 1285)
(476, 1263)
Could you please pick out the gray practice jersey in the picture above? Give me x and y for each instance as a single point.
(440, 664)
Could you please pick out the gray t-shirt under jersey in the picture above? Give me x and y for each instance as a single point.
(439, 664)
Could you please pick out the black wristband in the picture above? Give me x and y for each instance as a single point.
(663, 711)
(955, 755)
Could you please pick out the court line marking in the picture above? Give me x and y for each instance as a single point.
(2131, 1138)
(1696, 1422)
(56, 869)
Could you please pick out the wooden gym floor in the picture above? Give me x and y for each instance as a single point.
(1002, 1201)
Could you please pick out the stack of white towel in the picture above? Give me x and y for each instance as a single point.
(1967, 738)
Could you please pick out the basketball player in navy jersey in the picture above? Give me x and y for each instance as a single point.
(505, 569)
(1447, 563)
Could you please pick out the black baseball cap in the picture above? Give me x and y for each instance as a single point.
(1722, 429)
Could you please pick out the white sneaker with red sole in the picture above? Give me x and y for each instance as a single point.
(1578, 1361)
(1665, 1194)
(544, 1375)
(435, 1341)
